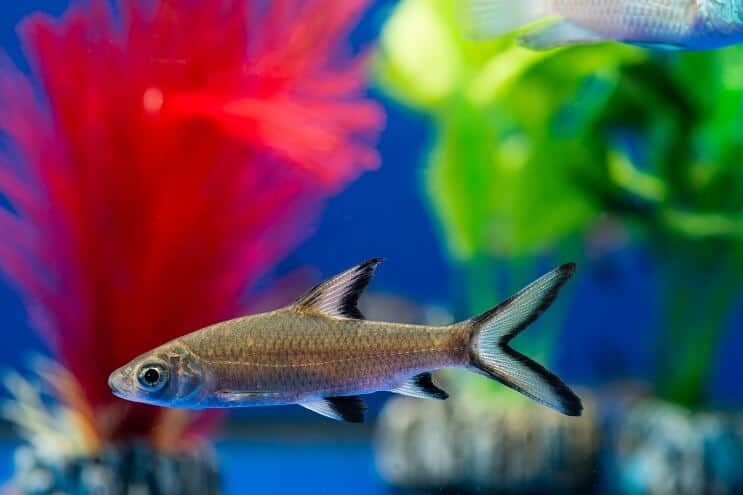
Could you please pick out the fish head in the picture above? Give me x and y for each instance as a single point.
(737, 14)
(170, 376)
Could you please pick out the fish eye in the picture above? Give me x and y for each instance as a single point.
(152, 376)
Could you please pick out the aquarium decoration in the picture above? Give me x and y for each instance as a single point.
(470, 445)
(538, 153)
(160, 157)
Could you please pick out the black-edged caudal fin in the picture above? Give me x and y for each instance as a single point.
(492, 332)
(339, 295)
(351, 409)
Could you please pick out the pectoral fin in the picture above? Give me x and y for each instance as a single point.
(350, 409)
(558, 33)
(421, 386)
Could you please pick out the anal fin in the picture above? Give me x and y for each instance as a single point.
(558, 33)
(421, 386)
(350, 409)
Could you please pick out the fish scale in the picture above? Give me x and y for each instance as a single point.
(651, 21)
(295, 356)
(321, 354)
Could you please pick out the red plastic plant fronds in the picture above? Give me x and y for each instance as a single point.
(161, 158)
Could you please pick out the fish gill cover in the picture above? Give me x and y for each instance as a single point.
(162, 155)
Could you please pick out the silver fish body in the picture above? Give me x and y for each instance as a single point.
(321, 354)
(663, 24)
(316, 357)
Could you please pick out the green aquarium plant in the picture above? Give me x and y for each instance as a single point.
(535, 151)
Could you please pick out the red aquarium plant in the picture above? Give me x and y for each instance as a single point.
(161, 157)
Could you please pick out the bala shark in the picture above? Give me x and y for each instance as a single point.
(320, 353)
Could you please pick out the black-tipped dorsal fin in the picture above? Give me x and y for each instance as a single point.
(421, 386)
(339, 295)
(350, 409)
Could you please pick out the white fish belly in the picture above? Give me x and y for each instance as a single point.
(663, 21)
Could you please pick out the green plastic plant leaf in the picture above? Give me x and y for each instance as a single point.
(533, 149)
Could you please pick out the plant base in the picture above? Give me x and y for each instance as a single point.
(126, 470)
(661, 449)
(482, 446)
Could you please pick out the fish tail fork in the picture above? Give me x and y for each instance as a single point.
(489, 352)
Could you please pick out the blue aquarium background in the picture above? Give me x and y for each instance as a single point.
(608, 334)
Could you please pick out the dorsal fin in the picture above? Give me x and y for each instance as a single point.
(339, 295)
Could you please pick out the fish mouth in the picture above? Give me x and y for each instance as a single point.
(115, 383)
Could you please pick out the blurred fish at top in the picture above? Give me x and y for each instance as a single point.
(658, 24)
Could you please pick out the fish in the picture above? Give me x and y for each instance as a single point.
(320, 353)
(655, 24)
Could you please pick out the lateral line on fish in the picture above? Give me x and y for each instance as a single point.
(320, 363)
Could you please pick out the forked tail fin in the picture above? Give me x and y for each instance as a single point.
(491, 333)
